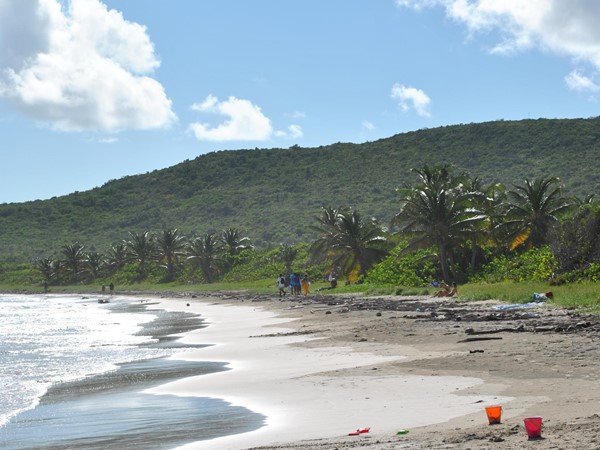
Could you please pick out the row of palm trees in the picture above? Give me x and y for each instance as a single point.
(446, 212)
(210, 253)
(452, 213)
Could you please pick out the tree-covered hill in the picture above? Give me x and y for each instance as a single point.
(272, 195)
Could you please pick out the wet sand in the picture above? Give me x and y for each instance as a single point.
(113, 409)
(313, 370)
(533, 362)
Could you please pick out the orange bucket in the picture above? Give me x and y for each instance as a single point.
(533, 426)
(494, 414)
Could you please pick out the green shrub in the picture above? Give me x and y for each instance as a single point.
(592, 272)
(537, 264)
(19, 275)
(414, 269)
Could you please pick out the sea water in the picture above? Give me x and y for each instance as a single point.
(73, 373)
(46, 340)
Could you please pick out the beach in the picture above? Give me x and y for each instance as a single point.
(323, 367)
(307, 373)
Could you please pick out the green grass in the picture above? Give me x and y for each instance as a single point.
(584, 296)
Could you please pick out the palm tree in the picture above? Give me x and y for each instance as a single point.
(170, 245)
(439, 211)
(46, 269)
(94, 263)
(490, 201)
(117, 256)
(75, 257)
(352, 243)
(327, 230)
(534, 207)
(287, 254)
(141, 247)
(232, 244)
(57, 270)
(204, 253)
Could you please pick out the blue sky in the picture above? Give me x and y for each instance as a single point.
(95, 90)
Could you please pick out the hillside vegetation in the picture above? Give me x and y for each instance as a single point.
(272, 195)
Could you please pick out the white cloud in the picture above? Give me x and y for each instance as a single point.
(368, 125)
(108, 140)
(293, 132)
(81, 67)
(581, 83)
(564, 27)
(410, 97)
(296, 115)
(245, 121)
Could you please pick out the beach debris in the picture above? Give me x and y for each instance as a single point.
(484, 338)
(475, 351)
(533, 426)
(494, 414)
(401, 432)
(294, 307)
(518, 306)
(359, 431)
(518, 329)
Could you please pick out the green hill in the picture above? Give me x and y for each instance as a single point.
(271, 195)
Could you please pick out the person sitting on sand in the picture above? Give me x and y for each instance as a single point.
(444, 289)
(453, 290)
(447, 290)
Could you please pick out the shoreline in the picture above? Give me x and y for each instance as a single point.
(544, 359)
(309, 392)
(111, 409)
(363, 357)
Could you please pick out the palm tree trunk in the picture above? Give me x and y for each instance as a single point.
(443, 261)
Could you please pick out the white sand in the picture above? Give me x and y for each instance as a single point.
(309, 393)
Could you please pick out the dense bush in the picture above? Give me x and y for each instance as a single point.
(413, 269)
(18, 275)
(537, 264)
(253, 265)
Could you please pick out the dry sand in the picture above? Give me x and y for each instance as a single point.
(324, 366)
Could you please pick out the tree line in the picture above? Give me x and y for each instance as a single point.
(211, 253)
(459, 221)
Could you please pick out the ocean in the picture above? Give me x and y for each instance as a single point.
(73, 373)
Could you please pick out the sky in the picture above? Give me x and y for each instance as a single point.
(95, 90)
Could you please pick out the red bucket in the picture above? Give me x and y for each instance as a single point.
(533, 426)
(494, 414)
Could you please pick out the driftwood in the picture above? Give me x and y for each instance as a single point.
(518, 329)
(474, 339)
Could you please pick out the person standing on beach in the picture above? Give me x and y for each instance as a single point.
(112, 288)
(281, 285)
(296, 284)
(305, 285)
